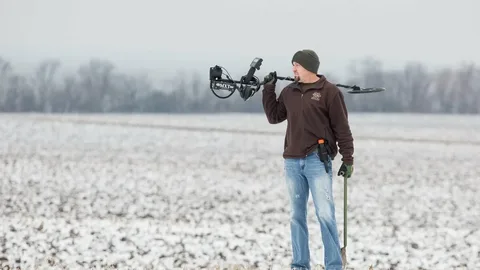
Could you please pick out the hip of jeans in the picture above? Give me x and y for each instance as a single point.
(311, 159)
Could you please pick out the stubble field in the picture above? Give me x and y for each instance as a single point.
(207, 192)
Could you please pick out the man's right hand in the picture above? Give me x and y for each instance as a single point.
(271, 78)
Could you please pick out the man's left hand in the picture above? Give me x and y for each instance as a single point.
(345, 170)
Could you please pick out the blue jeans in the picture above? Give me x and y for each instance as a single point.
(304, 175)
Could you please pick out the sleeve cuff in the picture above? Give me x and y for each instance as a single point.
(269, 87)
(348, 161)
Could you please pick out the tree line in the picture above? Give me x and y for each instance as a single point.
(98, 87)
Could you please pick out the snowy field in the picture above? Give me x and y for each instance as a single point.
(207, 192)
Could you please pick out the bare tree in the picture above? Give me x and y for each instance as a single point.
(415, 87)
(5, 72)
(45, 84)
(467, 89)
(94, 83)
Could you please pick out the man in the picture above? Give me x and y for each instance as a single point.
(315, 110)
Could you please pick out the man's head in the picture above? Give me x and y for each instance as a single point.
(305, 64)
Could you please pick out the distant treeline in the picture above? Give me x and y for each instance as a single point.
(98, 86)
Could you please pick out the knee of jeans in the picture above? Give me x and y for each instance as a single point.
(324, 213)
(298, 216)
(298, 207)
(324, 203)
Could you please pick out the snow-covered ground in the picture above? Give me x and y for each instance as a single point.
(151, 192)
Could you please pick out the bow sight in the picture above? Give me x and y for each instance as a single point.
(249, 84)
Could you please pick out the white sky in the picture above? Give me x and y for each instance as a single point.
(163, 36)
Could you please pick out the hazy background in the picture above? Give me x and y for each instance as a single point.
(120, 54)
(192, 191)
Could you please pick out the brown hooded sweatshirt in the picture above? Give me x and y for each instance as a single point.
(313, 111)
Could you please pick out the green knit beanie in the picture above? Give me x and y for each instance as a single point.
(308, 59)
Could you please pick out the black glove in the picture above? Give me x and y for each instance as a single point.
(271, 78)
(345, 170)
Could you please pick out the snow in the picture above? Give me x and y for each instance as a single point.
(147, 192)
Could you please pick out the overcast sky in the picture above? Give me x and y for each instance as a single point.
(194, 35)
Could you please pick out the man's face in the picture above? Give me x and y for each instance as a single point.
(299, 72)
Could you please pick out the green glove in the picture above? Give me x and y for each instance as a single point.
(345, 170)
